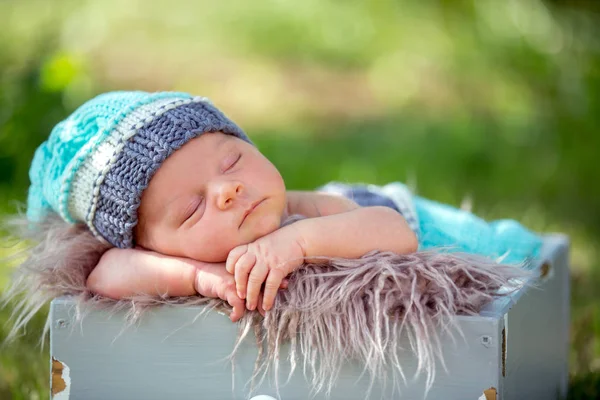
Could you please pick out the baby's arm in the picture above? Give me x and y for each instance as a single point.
(354, 233)
(316, 204)
(339, 228)
(126, 272)
(122, 273)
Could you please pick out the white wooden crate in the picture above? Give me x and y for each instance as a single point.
(517, 348)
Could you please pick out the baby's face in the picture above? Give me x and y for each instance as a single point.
(215, 193)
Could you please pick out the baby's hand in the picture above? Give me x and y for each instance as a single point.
(267, 260)
(213, 280)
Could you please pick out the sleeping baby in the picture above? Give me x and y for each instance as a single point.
(182, 203)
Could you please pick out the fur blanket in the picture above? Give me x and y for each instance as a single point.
(332, 312)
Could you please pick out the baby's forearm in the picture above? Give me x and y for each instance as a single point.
(122, 273)
(354, 233)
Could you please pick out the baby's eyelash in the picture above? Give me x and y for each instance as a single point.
(192, 210)
(235, 162)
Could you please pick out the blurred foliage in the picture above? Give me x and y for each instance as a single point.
(585, 386)
(495, 100)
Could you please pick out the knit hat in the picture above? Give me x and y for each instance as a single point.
(96, 163)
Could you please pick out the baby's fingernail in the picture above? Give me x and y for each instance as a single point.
(240, 295)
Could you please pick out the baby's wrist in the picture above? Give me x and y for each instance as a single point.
(302, 236)
(195, 283)
(208, 277)
(199, 279)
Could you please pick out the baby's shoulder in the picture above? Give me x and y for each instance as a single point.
(317, 204)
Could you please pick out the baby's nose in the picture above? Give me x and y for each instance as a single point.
(228, 192)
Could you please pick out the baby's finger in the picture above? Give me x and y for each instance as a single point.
(234, 256)
(242, 270)
(260, 307)
(271, 286)
(238, 306)
(255, 281)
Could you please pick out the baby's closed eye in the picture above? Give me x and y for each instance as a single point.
(192, 209)
(230, 161)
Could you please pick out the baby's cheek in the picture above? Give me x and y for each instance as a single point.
(265, 225)
(210, 248)
(201, 253)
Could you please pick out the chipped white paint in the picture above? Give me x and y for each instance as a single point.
(489, 394)
(505, 341)
(546, 271)
(61, 380)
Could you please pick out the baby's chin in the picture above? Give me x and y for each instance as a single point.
(263, 227)
(258, 229)
(218, 256)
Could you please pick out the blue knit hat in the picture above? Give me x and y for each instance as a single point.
(95, 165)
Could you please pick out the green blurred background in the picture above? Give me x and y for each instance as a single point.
(495, 101)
